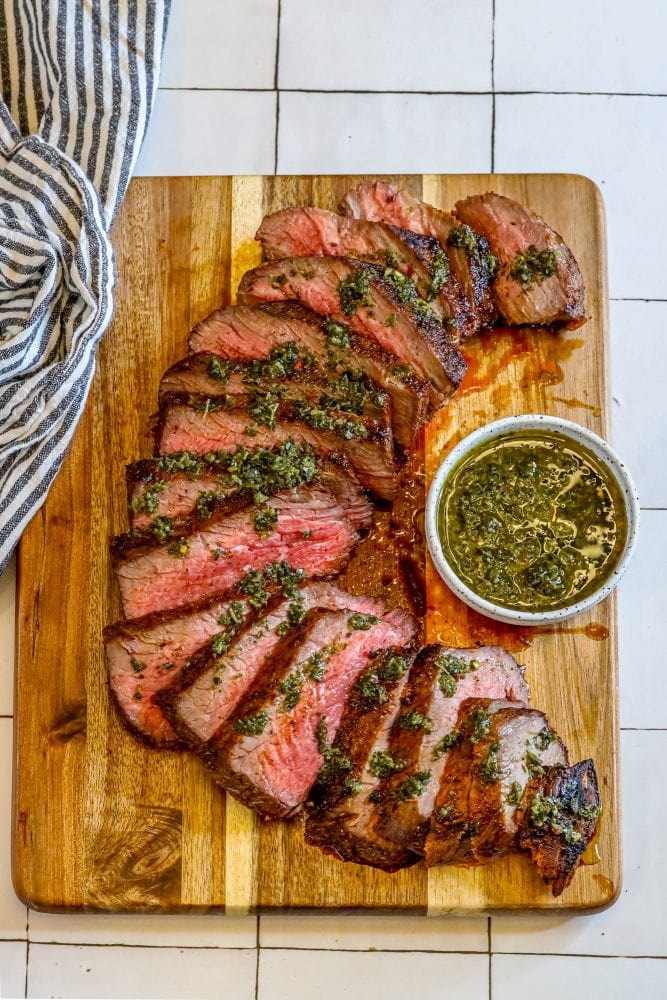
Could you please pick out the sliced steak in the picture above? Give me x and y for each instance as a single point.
(269, 754)
(425, 730)
(172, 487)
(199, 701)
(303, 232)
(207, 375)
(470, 264)
(145, 654)
(312, 532)
(558, 818)
(155, 492)
(197, 424)
(362, 296)
(343, 819)
(246, 333)
(539, 280)
(507, 743)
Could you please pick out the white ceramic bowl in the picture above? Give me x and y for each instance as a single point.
(530, 422)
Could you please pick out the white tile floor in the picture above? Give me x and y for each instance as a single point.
(444, 86)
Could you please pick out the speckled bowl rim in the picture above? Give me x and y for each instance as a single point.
(530, 422)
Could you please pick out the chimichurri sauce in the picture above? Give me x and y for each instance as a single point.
(532, 521)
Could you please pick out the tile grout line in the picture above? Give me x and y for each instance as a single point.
(425, 93)
(276, 73)
(493, 86)
(257, 959)
(488, 941)
(27, 959)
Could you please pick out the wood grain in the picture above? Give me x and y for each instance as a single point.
(101, 822)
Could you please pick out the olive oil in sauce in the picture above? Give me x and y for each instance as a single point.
(532, 521)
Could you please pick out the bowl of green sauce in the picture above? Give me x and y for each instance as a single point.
(531, 519)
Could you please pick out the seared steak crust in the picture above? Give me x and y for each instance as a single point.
(502, 744)
(558, 818)
(343, 819)
(269, 754)
(469, 268)
(376, 311)
(186, 423)
(250, 333)
(440, 681)
(512, 230)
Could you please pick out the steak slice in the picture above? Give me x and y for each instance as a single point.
(145, 654)
(343, 818)
(507, 743)
(539, 280)
(190, 423)
(246, 333)
(174, 486)
(199, 701)
(360, 295)
(558, 818)
(468, 253)
(207, 375)
(302, 232)
(312, 532)
(425, 730)
(269, 754)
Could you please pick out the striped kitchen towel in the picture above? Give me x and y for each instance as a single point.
(77, 82)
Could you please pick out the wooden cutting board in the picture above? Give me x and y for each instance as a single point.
(101, 822)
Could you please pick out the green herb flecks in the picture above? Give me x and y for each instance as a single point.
(264, 407)
(252, 725)
(287, 577)
(353, 291)
(179, 548)
(382, 764)
(446, 744)
(219, 370)
(414, 786)
(148, 500)
(533, 765)
(265, 521)
(291, 689)
(334, 761)
(450, 669)
(161, 527)
(533, 266)
(481, 725)
(253, 586)
(413, 721)
(361, 622)
(544, 739)
(337, 334)
(321, 420)
(463, 238)
(205, 503)
(513, 797)
(439, 274)
(283, 361)
(489, 769)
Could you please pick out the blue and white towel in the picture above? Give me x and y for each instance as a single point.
(77, 82)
